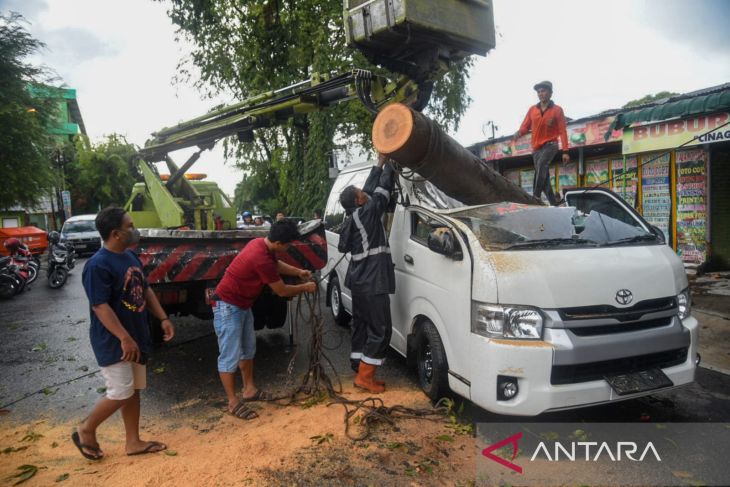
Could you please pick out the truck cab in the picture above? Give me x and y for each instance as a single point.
(525, 309)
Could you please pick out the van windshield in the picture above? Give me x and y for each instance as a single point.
(512, 226)
(79, 226)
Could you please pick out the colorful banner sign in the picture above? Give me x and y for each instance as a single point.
(597, 173)
(692, 205)
(526, 179)
(624, 172)
(700, 129)
(579, 134)
(656, 198)
(568, 176)
(513, 176)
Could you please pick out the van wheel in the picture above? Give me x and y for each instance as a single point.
(341, 317)
(431, 361)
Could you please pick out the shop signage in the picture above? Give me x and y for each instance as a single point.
(696, 130)
(692, 205)
(579, 134)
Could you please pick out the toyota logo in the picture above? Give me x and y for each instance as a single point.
(624, 296)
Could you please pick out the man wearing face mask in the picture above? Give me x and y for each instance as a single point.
(119, 299)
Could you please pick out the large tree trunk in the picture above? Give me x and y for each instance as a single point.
(418, 143)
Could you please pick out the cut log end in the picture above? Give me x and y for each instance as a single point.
(392, 128)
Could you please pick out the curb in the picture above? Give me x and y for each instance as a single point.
(711, 313)
(715, 369)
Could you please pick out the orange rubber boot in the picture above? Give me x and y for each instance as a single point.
(377, 381)
(364, 379)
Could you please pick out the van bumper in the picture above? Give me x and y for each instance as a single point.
(530, 363)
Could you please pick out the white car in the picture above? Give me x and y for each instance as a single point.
(81, 232)
(526, 309)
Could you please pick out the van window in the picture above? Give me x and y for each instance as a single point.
(79, 226)
(422, 226)
(334, 214)
(602, 203)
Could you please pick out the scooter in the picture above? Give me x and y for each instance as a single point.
(61, 259)
(12, 280)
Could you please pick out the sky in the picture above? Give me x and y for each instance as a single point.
(121, 56)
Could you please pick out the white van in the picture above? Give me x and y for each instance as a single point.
(527, 309)
(81, 232)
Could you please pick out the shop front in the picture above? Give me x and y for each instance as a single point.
(676, 174)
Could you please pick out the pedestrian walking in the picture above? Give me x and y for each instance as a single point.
(546, 120)
(119, 300)
(370, 275)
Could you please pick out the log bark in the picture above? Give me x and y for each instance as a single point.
(418, 143)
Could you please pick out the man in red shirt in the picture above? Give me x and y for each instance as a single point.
(547, 122)
(253, 268)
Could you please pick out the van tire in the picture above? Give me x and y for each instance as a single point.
(433, 368)
(341, 317)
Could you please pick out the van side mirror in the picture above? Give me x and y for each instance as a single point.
(658, 232)
(441, 241)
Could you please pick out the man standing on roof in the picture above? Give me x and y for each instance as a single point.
(546, 120)
(370, 276)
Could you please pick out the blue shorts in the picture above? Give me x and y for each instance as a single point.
(236, 335)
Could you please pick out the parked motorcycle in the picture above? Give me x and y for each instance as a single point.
(61, 259)
(10, 282)
(20, 255)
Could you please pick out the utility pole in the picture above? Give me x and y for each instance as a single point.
(489, 124)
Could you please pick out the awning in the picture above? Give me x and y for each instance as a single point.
(713, 102)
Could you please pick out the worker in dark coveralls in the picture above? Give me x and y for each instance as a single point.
(370, 276)
(546, 120)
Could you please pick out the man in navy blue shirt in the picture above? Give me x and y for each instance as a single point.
(119, 300)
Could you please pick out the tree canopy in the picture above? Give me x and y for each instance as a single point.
(649, 98)
(25, 144)
(251, 47)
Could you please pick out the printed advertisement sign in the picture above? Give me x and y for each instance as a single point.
(526, 178)
(692, 205)
(513, 176)
(656, 198)
(579, 134)
(624, 171)
(568, 176)
(700, 129)
(597, 173)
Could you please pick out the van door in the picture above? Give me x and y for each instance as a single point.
(429, 284)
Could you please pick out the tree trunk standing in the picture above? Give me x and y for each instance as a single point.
(418, 143)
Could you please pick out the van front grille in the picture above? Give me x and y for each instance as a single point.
(571, 374)
(634, 313)
(589, 331)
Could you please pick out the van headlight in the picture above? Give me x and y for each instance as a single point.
(684, 304)
(494, 321)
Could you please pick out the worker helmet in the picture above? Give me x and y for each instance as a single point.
(54, 237)
(12, 244)
(246, 213)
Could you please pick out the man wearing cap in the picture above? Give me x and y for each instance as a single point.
(547, 123)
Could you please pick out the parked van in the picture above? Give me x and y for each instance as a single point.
(81, 232)
(525, 309)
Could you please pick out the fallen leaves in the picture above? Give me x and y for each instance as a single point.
(27, 472)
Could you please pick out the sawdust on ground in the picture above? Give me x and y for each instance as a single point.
(213, 448)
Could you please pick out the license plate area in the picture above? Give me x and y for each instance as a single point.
(642, 381)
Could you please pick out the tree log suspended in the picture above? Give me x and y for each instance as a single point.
(418, 143)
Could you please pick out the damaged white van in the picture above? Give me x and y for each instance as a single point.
(526, 309)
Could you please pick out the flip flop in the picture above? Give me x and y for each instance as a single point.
(149, 449)
(242, 411)
(77, 441)
(259, 396)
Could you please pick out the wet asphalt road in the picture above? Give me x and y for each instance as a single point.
(44, 343)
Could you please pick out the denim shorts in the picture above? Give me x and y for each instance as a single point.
(236, 335)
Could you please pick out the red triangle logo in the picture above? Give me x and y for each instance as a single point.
(514, 439)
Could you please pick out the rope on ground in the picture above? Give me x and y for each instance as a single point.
(361, 416)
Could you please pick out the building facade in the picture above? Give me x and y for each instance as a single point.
(669, 159)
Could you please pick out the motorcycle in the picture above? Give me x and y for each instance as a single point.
(9, 283)
(61, 259)
(12, 280)
(26, 262)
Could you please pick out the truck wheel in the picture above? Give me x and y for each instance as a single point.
(341, 317)
(431, 360)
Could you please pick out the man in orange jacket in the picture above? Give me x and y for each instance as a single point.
(547, 122)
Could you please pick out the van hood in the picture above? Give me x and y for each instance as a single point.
(80, 235)
(561, 278)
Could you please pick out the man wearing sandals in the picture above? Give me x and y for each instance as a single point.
(253, 268)
(119, 298)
